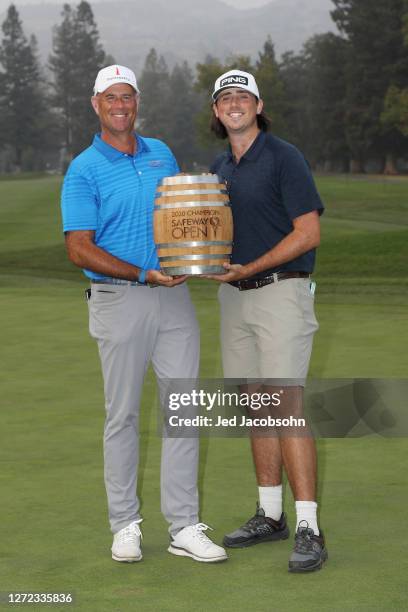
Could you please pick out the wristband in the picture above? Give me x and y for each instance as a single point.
(142, 276)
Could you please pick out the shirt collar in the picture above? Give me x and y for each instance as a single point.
(254, 150)
(113, 154)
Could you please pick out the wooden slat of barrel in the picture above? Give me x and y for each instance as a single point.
(203, 197)
(179, 187)
(212, 249)
(192, 229)
(199, 223)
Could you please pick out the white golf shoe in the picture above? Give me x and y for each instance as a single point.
(192, 542)
(126, 544)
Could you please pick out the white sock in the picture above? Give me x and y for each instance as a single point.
(307, 511)
(270, 499)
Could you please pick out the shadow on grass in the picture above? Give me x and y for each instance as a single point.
(44, 262)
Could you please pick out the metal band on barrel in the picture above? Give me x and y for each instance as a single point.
(190, 205)
(194, 257)
(166, 194)
(200, 243)
(189, 179)
(215, 269)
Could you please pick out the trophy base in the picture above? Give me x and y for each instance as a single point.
(193, 270)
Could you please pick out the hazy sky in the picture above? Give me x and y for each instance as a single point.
(237, 3)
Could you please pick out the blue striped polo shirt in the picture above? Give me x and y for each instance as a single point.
(113, 194)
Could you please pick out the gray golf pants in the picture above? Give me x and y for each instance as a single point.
(134, 325)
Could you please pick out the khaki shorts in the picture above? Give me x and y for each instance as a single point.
(268, 332)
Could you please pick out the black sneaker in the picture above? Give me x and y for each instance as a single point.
(309, 552)
(259, 528)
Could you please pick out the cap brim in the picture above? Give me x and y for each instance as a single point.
(217, 93)
(96, 91)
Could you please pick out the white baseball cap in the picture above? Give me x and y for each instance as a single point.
(235, 78)
(111, 75)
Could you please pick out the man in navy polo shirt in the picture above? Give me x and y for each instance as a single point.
(266, 298)
(137, 314)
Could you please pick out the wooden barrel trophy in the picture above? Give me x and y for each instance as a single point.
(192, 224)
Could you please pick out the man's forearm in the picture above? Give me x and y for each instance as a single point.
(292, 246)
(88, 255)
(304, 237)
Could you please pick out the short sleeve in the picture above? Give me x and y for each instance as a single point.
(79, 204)
(171, 160)
(215, 166)
(298, 189)
(175, 164)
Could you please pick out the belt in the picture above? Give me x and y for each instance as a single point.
(120, 281)
(245, 285)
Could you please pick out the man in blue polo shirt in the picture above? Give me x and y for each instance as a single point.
(266, 298)
(137, 314)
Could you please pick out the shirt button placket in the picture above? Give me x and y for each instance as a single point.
(138, 174)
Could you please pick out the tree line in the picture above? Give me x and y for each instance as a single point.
(343, 99)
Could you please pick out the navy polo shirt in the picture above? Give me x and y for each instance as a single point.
(270, 186)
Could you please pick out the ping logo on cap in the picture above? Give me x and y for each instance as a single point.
(234, 80)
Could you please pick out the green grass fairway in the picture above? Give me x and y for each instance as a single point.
(54, 530)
